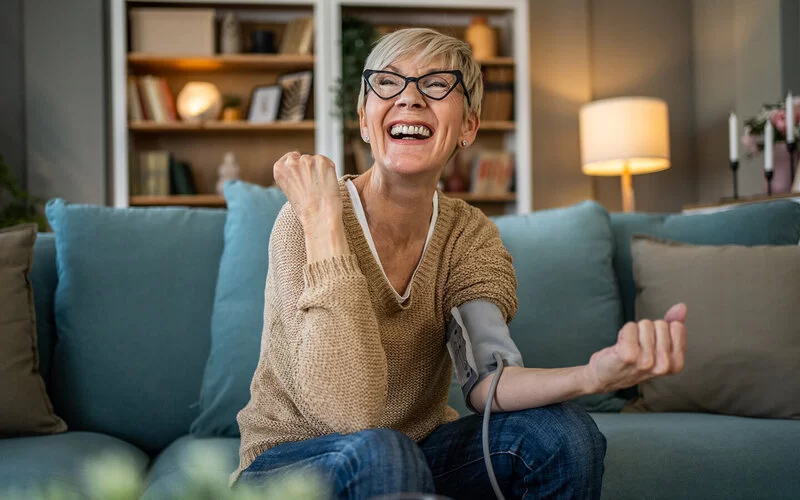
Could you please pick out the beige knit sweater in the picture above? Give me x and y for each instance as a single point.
(340, 354)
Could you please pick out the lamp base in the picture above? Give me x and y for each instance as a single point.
(628, 199)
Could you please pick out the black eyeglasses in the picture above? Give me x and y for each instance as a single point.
(436, 85)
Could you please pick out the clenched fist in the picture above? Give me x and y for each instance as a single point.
(643, 350)
(311, 186)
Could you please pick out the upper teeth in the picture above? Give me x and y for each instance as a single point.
(410, 130)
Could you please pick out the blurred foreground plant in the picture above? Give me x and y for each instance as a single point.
(117, 477)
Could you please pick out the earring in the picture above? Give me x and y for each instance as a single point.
(464, 143)
(366, 138)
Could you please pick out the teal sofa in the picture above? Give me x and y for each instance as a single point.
(136, 381)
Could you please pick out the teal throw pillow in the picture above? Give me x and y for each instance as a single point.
(238, 315)
(569, 304)
(133, 313)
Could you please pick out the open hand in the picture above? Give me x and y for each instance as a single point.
(643, 350)
(311, 186)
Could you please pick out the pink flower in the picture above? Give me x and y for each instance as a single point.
(778, 119)
(749, 141)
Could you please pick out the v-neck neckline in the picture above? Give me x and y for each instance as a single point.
(385, 294)
(358, 209)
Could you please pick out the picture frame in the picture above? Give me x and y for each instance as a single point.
(265, 104)
(295, 94)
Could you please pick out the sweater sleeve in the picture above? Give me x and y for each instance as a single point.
(482, 267)
(338, 362)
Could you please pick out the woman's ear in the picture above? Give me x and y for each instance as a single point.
(469, 128)
(362, 124)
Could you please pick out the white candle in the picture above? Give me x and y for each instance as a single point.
(789, 119)
(769, 137)
(733, 142)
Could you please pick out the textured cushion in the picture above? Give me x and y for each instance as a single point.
(569, 305)
(33, 462)
(168, 473)
(238, 316)
(133, 313)
(44, 279)
(664, 456)
(774, 223)
(25, 407)
(743, 342)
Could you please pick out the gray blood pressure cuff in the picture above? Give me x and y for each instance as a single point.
(476, 331)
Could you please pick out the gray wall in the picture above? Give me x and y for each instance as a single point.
(65, 99)
(645, 48)
(737, 45)
(12, 109)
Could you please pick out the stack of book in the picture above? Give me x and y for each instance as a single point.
(158, 173)
(149, 98)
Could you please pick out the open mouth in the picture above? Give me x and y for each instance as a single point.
(409, 132)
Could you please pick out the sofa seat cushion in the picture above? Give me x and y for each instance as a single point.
(699, 455)
(37, 461)
(168, 472)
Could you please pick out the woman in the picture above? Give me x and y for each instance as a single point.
(366, 273)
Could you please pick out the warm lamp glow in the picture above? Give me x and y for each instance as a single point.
(630, 132)
(199, 101)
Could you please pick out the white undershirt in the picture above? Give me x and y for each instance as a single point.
(362, 219)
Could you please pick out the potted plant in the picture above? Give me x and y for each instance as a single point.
(358, 36)
(16, 205)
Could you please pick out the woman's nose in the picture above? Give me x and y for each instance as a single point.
(410, 98)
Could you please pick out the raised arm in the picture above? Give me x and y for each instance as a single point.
(341, 370)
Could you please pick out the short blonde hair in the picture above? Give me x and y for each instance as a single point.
(427, 45)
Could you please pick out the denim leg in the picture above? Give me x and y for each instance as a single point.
(554, 451)
(355, 466)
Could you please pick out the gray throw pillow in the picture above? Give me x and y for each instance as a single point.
(743, 330)
(25, 408)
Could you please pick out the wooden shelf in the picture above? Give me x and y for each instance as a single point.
(220, 126)
(483, 198)
(497, 126)
(496, 61)
(227, 62)
(196, 200)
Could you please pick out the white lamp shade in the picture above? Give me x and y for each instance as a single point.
(630, 132)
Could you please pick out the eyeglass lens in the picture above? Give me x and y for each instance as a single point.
(434, 85)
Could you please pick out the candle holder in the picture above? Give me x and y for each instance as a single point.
(734, 168)
(791, 147)
(768, 176)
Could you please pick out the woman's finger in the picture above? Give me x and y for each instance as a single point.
(677, 331)
(647, 341)
(663, 348)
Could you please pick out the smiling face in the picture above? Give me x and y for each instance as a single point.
(413, 134)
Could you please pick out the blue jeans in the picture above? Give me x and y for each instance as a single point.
(554, 451)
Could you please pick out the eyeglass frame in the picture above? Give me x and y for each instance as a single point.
(415, 79)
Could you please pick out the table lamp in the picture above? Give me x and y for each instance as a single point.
(624, 136)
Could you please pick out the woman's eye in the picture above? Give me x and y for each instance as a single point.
(387, 82)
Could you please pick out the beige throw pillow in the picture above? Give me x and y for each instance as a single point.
(25, 407)
(743, 327)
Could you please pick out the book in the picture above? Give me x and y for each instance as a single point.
(154, 173)
(492, 173)
(181, 178)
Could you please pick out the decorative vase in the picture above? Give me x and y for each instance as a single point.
(262, 42)
(781, 176)
(231, 114)
(481, 38)
(230, 40)
(228, 170)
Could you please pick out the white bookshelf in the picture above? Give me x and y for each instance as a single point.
(510, 15)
